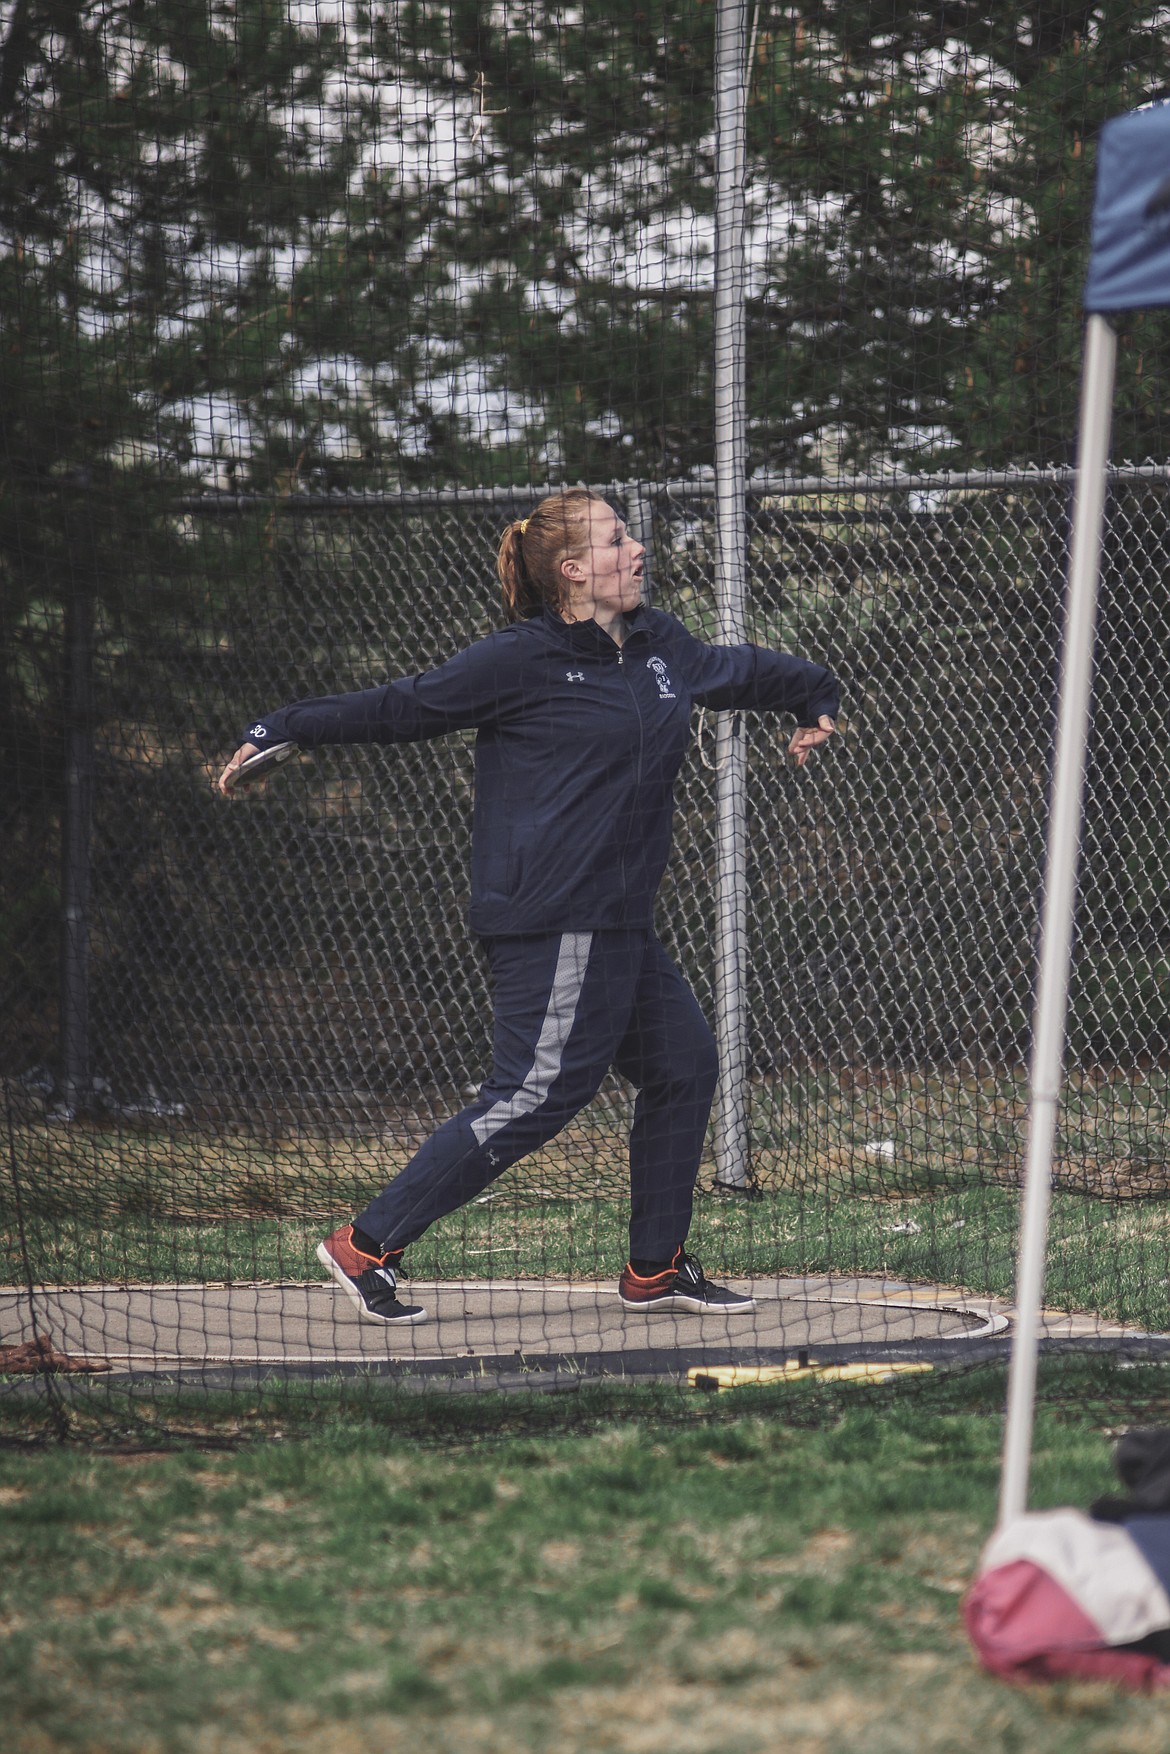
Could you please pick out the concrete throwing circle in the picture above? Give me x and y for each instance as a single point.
(137, 1328)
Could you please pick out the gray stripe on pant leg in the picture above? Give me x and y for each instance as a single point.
(572, 959)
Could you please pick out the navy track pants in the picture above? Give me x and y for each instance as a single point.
(567, 1007)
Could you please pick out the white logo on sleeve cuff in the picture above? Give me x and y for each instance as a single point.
(257, 732)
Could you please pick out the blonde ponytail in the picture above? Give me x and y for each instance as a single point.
(521, 595)
(532, 549)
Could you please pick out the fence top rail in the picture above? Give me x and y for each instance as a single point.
(701, 486)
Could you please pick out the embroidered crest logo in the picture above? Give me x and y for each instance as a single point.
(665, 687)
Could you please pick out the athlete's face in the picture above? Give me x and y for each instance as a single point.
(605, 579)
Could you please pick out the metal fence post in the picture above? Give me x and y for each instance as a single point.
(731, 70)
(640, 518)
(75, 1082)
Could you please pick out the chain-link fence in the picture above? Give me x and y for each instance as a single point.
(314, 265)
(240, 1020)
(893, 888)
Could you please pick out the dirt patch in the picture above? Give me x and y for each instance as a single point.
(194, 1616)
(560, 1555)
(822, 1552)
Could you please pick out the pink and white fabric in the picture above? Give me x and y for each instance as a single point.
(1060, 1594)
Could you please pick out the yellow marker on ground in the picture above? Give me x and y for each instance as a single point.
(738, 1376)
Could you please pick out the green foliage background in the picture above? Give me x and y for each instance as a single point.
(243, 247)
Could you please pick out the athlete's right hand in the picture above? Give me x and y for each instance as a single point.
(810, 737)
(224, 782)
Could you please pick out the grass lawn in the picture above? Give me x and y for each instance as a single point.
(712, 1584)
(1103, 1256)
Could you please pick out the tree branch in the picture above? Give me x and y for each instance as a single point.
(14, 56)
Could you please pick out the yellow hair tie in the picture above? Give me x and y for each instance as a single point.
(523, 525)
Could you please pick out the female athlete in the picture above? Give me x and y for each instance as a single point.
(582, 708)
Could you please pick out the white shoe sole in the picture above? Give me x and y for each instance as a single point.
(696, 1305)
(340, 1277)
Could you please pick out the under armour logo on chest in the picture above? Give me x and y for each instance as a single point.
(574, 675)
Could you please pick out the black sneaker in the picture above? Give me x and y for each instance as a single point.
(369, 1280)
(682, 1285)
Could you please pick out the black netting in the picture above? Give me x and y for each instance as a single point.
(300, 307)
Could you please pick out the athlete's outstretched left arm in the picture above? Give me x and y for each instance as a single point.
(735, 678)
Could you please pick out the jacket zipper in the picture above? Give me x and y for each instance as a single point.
(621, 658)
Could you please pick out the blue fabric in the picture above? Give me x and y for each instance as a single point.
(578, 746)
(1151, 1536)
(623, 1003)
(1129, 267)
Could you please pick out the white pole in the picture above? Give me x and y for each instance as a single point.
(640, 519)
(1060, 882)
(731, 1121)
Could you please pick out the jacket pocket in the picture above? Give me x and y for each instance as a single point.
(518, 859)
(503, 866)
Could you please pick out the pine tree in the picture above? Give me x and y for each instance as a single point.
(159, 165)
(919, 188)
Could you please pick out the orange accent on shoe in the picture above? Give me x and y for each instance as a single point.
(634, 1288)
(649, 1278)
(346, 1253)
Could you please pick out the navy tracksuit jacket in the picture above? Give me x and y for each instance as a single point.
(579, 743)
